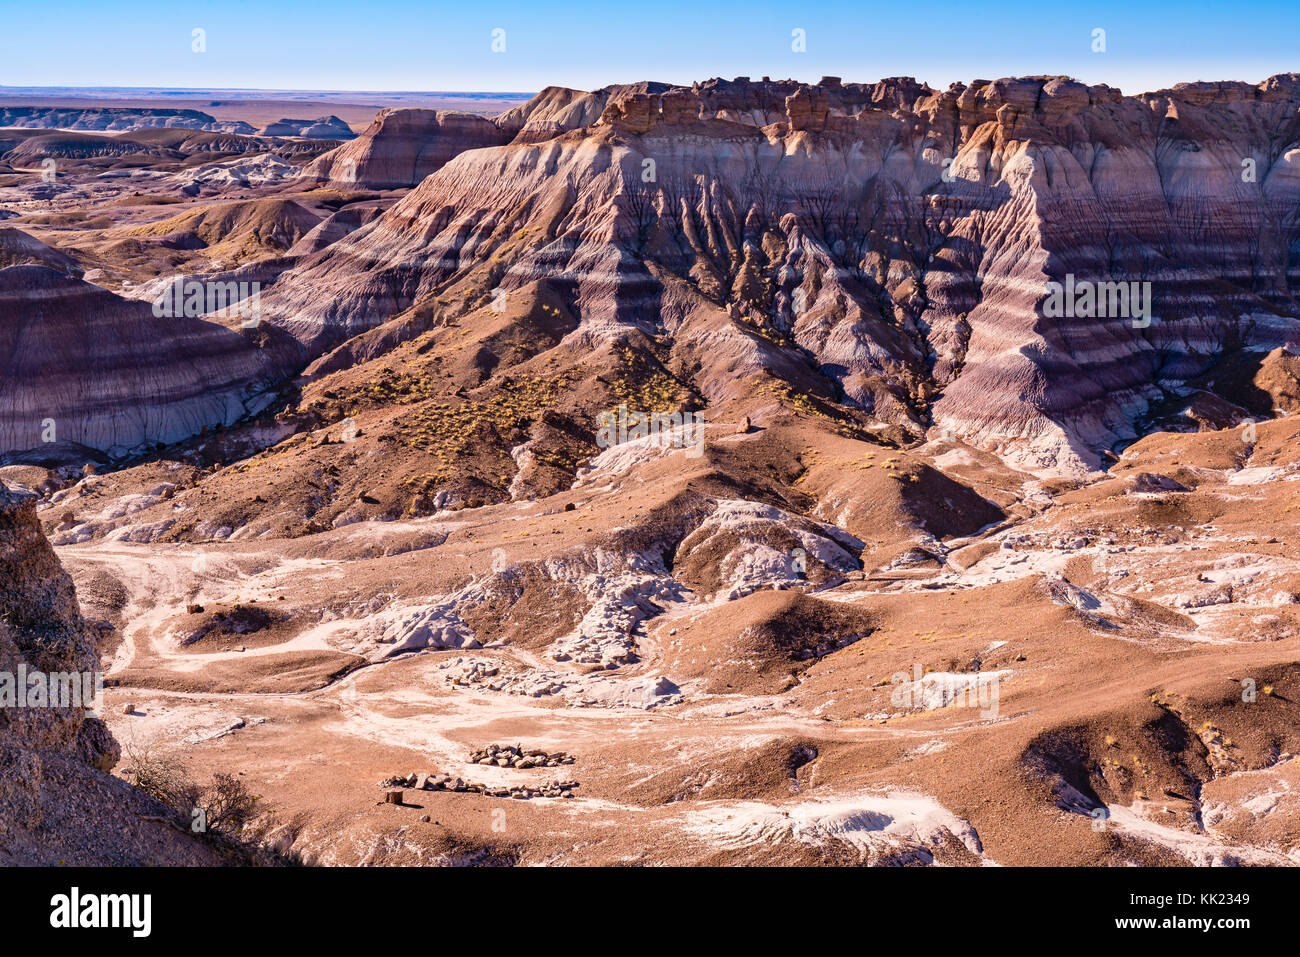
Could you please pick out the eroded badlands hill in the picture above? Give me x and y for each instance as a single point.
(85, 368)
(894, 240)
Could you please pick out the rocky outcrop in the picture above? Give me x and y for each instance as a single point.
(553, 111)
(43, 629)
(57, 803)
(1129, 190)
(86, 368)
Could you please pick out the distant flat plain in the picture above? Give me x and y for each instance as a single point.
(259, 107)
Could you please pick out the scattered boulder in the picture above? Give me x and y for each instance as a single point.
(445, 782)
(506, 756)
(1154, 482)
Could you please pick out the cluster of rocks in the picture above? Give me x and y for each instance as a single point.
(446, 782)
(505, 756)
(587, 691)
(486, 674)
(1069, 542)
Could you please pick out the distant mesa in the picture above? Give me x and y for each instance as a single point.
(115, 119)
(322, 128)
(79, 146)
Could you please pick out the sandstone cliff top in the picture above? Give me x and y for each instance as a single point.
(637, 108)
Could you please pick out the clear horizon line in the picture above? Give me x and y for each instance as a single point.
(261, 89)
(530, 93)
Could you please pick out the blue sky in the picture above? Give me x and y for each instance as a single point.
(406, 45)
